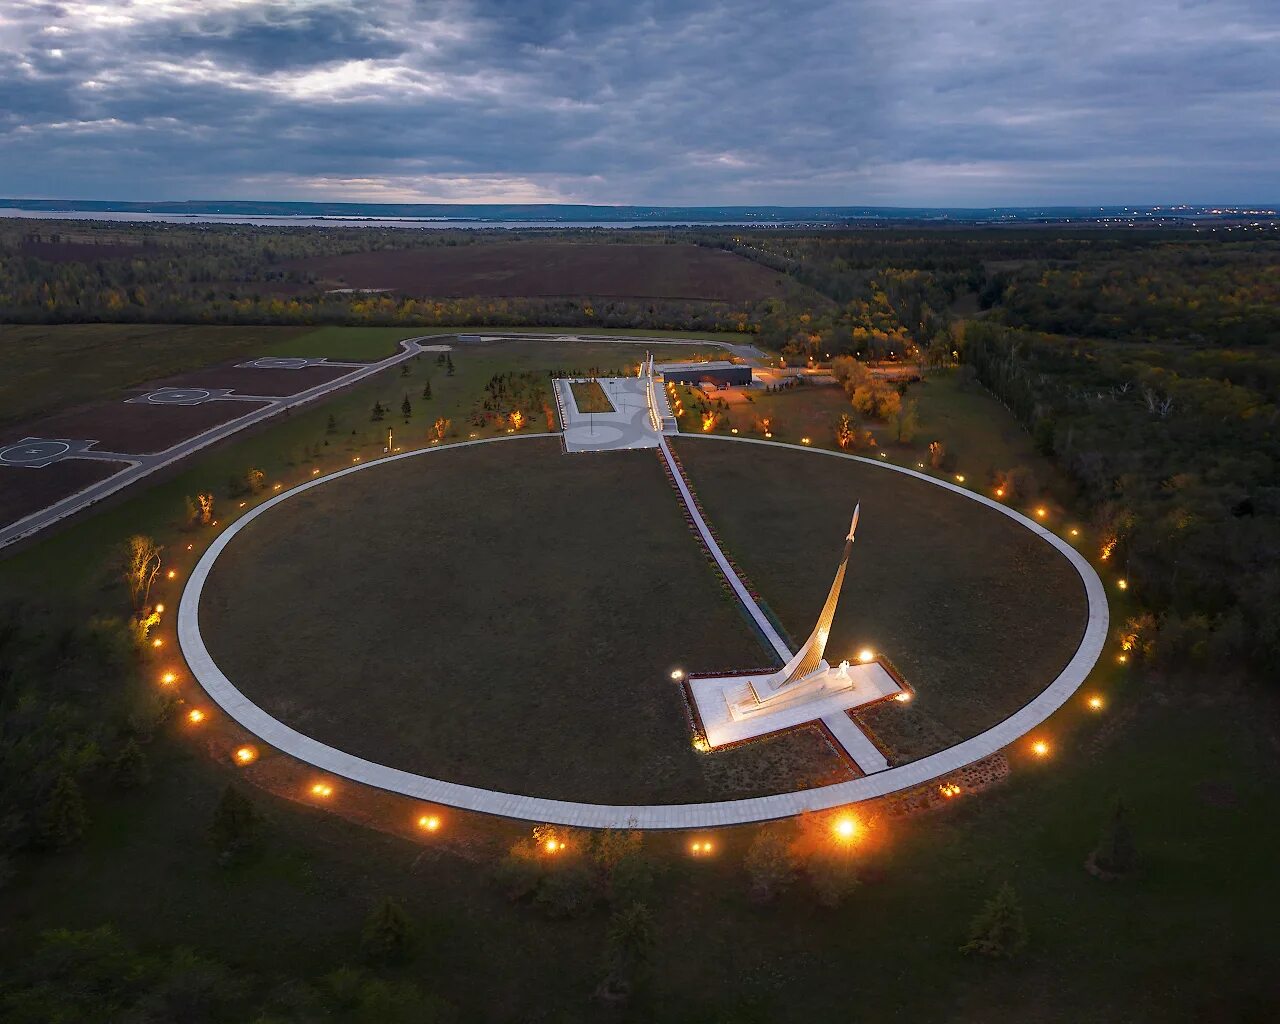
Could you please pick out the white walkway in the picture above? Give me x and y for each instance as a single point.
(677, 816)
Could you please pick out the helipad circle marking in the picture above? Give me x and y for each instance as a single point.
(178, 396)
(657, 816)
(281, 362)
(33, 451)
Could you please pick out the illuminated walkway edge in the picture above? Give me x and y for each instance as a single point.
(655, 816)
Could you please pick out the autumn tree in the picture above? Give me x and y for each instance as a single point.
(204, 502)
(440, 428)
(142, 563)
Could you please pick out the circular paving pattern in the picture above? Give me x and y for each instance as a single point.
(598, 815)
(28, 452)
(179, 396)
(281, 363)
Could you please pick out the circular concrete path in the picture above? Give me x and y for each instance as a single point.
(698, 815)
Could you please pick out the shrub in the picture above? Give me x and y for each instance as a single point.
(999, 930)
(387, 937)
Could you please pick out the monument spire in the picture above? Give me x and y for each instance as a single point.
(809, 658)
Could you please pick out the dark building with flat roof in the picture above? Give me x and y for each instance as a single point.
(718, 374)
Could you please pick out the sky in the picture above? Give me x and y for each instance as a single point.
(857, 102)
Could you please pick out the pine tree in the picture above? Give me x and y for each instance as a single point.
(1115, 853)
(64, 818)
(426, 390)
(999, 930)
(630, 944)
(449, 364)
(406, 409)
(236, 830)
(332, 426)
(388, 933)
(129, 768)
(404, 369)
(769, 863)
(378, 412)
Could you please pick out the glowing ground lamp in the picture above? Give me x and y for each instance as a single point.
(429, 823)
(157, 642)
(902, 696)
(322, 790)
(866, 655)
(1122, 584)
(1096, 703)
(195, 716)
(552, 846)
(1040, 748)
(172, 574)
(168, 679)
(677, 674)
(701, 847)
(845, 828)
(1042, 512)
(959, 478)
(245, 755)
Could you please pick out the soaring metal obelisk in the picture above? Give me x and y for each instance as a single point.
(808, 659)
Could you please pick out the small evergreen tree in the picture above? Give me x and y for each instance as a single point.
(1115, 853)
(406, 408)
(236, 830)
(999, 930)
(378, 412)
(630, 944)
(388, 933)
(769, 863)
(440, 359)
(834, 877)
(426, 390)
(404, 369)
(129, 768)
(449, 364)
(64, 818)
(332, 426)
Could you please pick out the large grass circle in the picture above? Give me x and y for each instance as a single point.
(503, 617)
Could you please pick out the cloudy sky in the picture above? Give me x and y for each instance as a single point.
(882, 102)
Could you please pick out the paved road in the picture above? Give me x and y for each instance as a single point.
(143, 465)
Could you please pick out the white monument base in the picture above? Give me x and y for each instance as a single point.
(732, 709)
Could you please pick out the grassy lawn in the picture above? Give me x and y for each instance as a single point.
(291, 446)
(46, 368)
(517, 669)
(1191, 938)
(810, 411)
(589, 396)
(977, 613)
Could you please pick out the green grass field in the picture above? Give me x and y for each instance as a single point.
(589, 396)
(1190, 938)
(977, 613)
(47, 368)
(512, 622)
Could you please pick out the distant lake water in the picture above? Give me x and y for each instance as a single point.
(374, 222)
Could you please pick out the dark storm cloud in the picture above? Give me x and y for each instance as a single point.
(865, 101)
